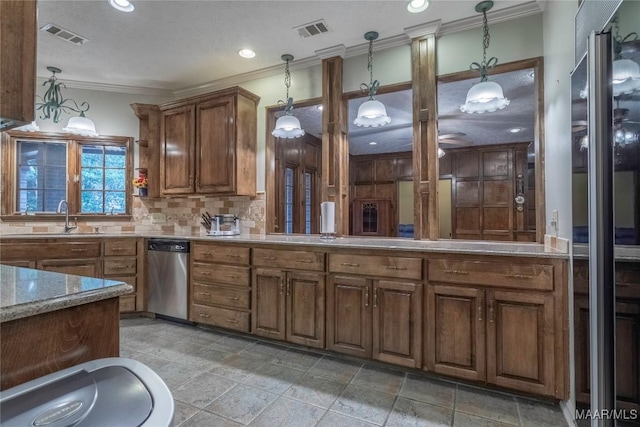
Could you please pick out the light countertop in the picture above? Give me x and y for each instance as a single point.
(27, 292)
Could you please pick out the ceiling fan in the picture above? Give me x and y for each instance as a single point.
(454, 139)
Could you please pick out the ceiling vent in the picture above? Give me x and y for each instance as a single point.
(312, 29)
(65, 35)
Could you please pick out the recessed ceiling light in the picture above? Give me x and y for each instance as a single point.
(246, 53)
(320, 107)
(417, 6)
(516, 130)
(122, 5)
(373, 143)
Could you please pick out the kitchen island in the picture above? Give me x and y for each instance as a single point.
(50, 321)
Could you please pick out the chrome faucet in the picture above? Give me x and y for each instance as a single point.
(67, 227)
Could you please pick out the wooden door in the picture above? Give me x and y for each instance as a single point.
(520, 341)
(627, 353)
(78, 267)
(305, 308)
(349, 315)
(216, 146)
(177, 158)
(397, 323)
(455, 332)
(268, 303)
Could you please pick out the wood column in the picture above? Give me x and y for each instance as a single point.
(335, 148)
(425, 137)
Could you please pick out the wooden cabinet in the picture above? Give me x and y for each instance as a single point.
(121, 263)
(78, 267)
(288, 305)
(349, 320)
(219, 286)
(149, 145)
(208, 144)
(372, 217)
(18, 39)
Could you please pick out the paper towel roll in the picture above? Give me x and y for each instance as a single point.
(327, 217)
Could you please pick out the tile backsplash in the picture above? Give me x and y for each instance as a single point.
(179, 215)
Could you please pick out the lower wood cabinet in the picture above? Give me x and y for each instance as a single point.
(289, 305)
(375, 318)
(79, 267)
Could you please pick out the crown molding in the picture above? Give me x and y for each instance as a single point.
(502, 15)
(331, 52)
(423, 30)
(108, 87)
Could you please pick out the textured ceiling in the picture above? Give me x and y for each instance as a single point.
(179, 44)
(478, 129)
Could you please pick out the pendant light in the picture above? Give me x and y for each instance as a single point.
(287, 126)
(626, 72)
(372, 113)
(485, 96)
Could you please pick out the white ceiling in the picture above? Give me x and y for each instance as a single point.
(175, 45)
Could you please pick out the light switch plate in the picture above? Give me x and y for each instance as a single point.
(157, 218)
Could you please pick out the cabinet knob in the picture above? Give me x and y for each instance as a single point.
(480, 309)
(350, 264)
(206, 316)
(366, 296)
(520, 276)
(491, 310)
(233, 298)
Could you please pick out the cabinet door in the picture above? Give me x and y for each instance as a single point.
(23, 264)
(455, 332)
(520, 341)
(627, 353)
(268, 303)
(178, 145)
(78, 267)
(397, 323)
(349, 315)
(216, 146)
(305, 308)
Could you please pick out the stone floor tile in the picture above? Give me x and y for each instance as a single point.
(365, 404)
(286, 412)
(238, 342)
(334, 368)
(183, 412)
(242, 404)
(174, 374)
(237, 367)
(539, 414)
(296, 359)
(380, 379)
(315, 390)
(487, 404)
(410, 413)
(152, 362)
(202, 390)
(207, 419)
(429, 390)
(263, 350)
(334, 419)
(274, 378)
(461, 419)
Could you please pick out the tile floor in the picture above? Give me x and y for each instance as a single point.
(221, 379)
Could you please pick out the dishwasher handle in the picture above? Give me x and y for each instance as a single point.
(168, 245)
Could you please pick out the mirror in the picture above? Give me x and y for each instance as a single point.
(381, 167)
(487, 187)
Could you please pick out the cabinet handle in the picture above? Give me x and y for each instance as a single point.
(480, 309)
(375, 297)
(207, 254)
(231, 276)
(288, 287)
(119, 267)
(206, 316)
(205, 273)
(281, 286)
(190, 181)
(395, 267)
(491, 312)
(233, 298)
(232, 321)
(197, 181)
(520, 276)
(118, 249)
(457, 272)
(204, 294)
(350, 264)
(269, 258)
(233, 256)
(78, 250)
(366, 296)
(308, 261)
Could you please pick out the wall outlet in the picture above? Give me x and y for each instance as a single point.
(554, 219)
(157, 218)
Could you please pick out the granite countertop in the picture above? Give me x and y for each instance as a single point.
(27, 292)
(444, 246)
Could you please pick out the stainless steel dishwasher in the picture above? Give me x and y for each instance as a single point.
(168, 277)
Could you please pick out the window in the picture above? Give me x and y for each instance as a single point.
(288, 200)
(90, 173)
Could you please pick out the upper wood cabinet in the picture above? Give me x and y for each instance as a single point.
(18, 38)
(208, 144)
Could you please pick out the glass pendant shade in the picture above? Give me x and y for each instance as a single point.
(484, 97)
(81, 126)
(626, 76)
(288, 126)
(31, 127)
(441, 153)
(372, 113)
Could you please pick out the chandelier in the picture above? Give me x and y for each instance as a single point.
(288, 125)
(371, 113)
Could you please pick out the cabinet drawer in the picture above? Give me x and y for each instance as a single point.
(127, 303)
(58, 250)
(300, 260)
(239, 276)
(221, 295)
(627, 279)
(381, 266)
(120, 247)
(225, 318)
(129, 280)
(220, 254)
(490, 273)
(119, 266)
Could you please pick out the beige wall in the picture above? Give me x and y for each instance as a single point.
(405, 202)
